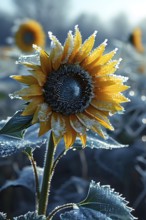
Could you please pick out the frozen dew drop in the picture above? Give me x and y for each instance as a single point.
(144, 120)
(143, 98)
(144, 138)
(75, 206)
(132, 93)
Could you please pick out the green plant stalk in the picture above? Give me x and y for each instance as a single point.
(47, 176)
(34, 166)
(58, 209)
(36, 181)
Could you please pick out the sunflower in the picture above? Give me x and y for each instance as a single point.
(28, 33)
(136, 40)
(73, 89)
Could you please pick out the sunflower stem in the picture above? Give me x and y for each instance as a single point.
(58, 209)
(47, 176)
(29, 154)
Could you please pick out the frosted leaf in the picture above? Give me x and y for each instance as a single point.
(15, 125)
(105, 200)
(95, 141)
(84, 214)
(2, 216)
(30, 216)
(25, 179)
(10, 145)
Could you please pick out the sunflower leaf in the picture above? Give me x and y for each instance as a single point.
(25, 179)
(84, 213)
(105, 200)
(95, 141)
(30, 216)
(11, 144)
(16, 125)
(2, 216)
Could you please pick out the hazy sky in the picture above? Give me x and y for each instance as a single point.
(107, 9)
(104, 9)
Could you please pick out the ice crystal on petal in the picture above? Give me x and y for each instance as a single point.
(43, 115)
(35, 59)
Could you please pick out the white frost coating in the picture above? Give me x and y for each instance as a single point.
(71, 43)
(119, 61)
(105, 42)
(43, 115)
(115, 50)
(35, 59)
(78, 127)
(36, 47)
(14, 95)
(58, 127)
(75, 206)
(55, 45)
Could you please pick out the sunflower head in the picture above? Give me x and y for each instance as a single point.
(136, 40)
(73, 88)
(28, 33)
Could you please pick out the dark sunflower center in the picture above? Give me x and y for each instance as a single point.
(68, 90)
(28, 37)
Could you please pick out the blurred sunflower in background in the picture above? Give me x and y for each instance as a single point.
(73, 88)
(29, 32)
(136, 40)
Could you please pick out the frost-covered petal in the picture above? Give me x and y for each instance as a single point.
(32, 106)
(29, 80)
(70, 133)
(68, 47)
(90, 123)
(58, 127)
(94, 56)
(56, 51)
(85, 48)
(77, 44)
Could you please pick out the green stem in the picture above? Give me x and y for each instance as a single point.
(45, 190)
(36, 181)
(59, 208)
(29, 154)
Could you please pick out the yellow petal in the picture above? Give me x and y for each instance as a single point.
(90, 123)
(107, 57)
(33, 90)
(110, 106)
(56, 52)
(45, 126)
(114, 98)
(39, 75)
(107, 69)
(44, 112)
(70, 133)
(45, 62)
(94, 56)
(83, 139)
(58, 127)
(35, 115)
(103, 120)
(85, 49)
(114, 88)
(68, 47)
(77, 44)
(76, 125)
(107, 80)
(32, 106)
(29, 80)
(32, 66)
